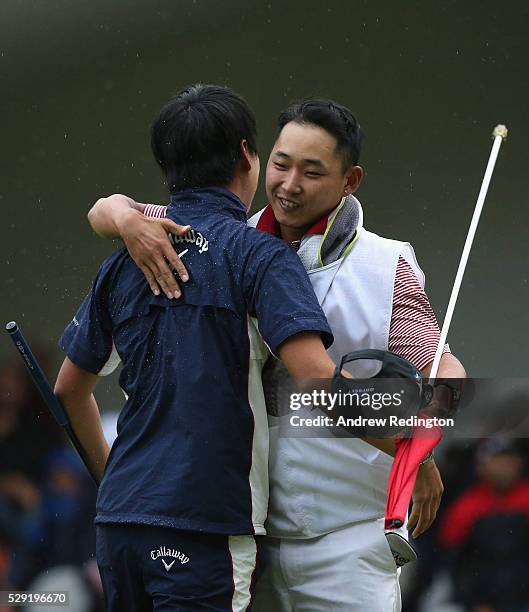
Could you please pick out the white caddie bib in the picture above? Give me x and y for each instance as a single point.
(321, 484)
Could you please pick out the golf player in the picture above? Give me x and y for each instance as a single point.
(326, 548)
(184, 490)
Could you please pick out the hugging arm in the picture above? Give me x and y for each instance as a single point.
(146, 239)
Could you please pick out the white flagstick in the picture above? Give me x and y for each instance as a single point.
(401, 549)
(500, 134)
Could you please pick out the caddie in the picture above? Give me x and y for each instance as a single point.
(326, 548)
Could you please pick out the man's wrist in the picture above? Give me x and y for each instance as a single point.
(123, 218)
(428, 459)
(448, 393)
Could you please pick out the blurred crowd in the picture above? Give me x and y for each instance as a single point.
(475, 558)
(47, 501)
(476, 555)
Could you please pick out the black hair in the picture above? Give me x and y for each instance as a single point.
(332, 117)
(196, 137)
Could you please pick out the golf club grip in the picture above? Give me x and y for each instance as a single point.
(41, 382)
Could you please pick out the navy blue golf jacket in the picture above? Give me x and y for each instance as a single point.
(183, 454)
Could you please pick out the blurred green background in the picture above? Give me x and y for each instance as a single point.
(429, 80)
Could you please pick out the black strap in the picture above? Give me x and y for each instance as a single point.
(400, 366)
(393, 366)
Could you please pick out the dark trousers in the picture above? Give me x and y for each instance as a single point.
(146, 569)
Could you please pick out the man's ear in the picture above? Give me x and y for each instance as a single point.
(246, 156)
(354, 176)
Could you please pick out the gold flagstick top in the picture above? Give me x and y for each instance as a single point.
(500, 130)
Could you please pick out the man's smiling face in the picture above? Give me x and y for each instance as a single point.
(305, 177)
